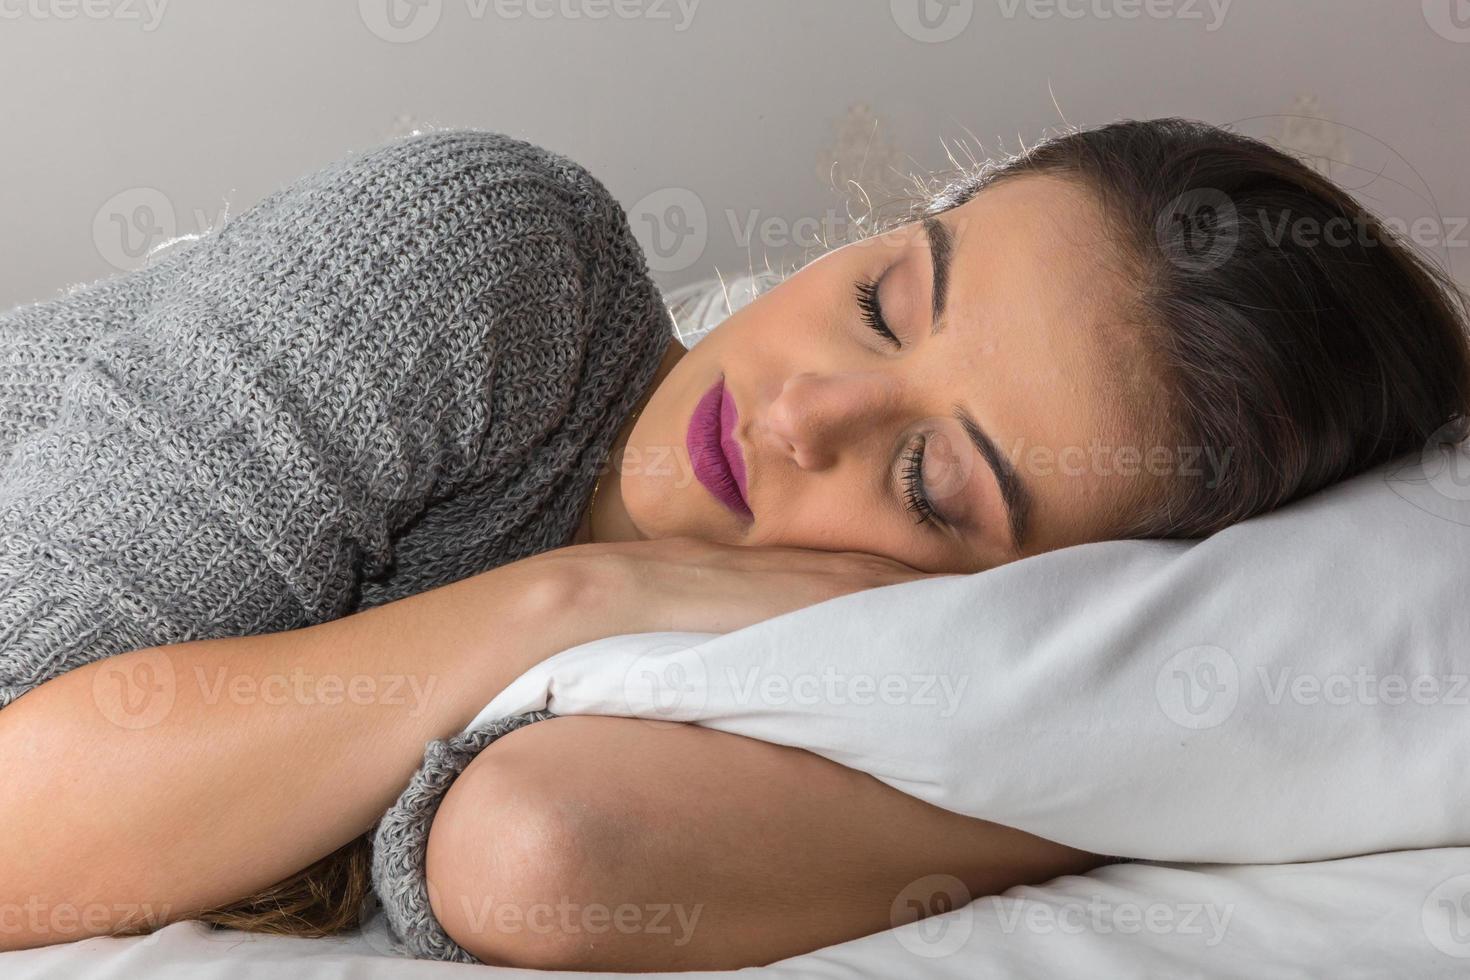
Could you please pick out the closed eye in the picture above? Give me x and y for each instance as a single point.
(916, 498)
(872, 312)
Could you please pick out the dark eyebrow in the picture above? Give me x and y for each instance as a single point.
(941, 248)
(1013, 492)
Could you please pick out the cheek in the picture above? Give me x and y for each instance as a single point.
(659, 489)
(809, 516)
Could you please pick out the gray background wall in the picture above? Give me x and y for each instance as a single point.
(727, 127)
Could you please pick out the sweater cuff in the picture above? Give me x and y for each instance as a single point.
(401, 841)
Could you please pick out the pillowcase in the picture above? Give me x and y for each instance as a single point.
(1292, 688)
(699, 307)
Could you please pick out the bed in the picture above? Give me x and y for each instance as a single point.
(1283, 832)
(1402, 914)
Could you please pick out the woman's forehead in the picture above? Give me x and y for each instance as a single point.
(1034, 313)
(1033, 276)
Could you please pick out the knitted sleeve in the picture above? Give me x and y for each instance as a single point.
(386, 376)
(401, 842)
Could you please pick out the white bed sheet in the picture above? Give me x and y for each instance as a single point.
(1397, 914)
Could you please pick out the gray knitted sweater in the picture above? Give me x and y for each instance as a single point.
(399, 371)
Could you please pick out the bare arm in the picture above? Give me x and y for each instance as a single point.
(615, 844)
(144, 787)
(158, 782)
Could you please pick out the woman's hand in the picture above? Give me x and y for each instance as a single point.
(686, 583)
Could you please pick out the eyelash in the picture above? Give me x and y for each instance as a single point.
(915, 498)
(872, 311)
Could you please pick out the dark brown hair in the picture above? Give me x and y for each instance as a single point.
(320, 900)
(1305, 358)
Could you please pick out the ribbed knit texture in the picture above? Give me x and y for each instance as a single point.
(401, 841)
(394, 373)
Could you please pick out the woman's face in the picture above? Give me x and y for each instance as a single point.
(1000, 378)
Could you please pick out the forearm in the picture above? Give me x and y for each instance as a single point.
(180, 777)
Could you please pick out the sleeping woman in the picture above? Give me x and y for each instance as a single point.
(282, 511)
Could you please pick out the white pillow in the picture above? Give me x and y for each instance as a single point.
(1292, 688)
(699, 307)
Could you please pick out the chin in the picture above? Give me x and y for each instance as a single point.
(650, 507)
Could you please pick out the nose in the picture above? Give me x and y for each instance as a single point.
(816, 417)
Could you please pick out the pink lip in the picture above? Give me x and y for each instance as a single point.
(729, 418)
(714, 451)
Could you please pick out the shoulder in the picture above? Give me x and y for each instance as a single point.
(488, 189)
(491, 167)
(458, 199)
(454, 150)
